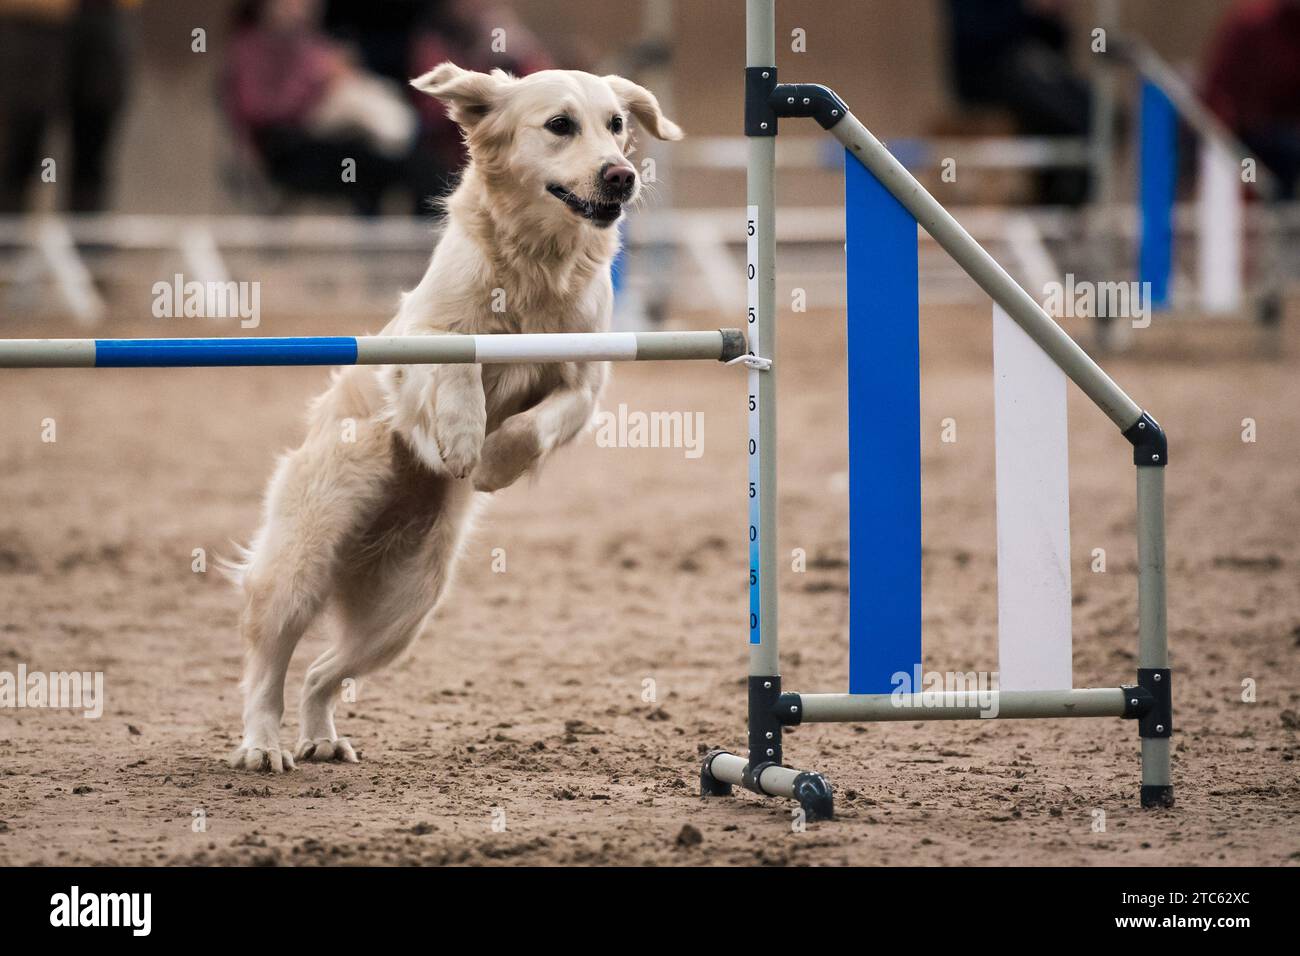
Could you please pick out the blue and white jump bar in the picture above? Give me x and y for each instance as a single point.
(722, 345)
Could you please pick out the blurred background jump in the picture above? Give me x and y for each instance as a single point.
(1059, 146)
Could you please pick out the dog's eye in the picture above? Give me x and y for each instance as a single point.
(561, 126)
(616, 125)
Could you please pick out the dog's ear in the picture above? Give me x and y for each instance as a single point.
(469, 96)
(642, 104)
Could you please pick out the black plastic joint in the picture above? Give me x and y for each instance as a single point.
(733, 345)
(1158, 721)
(1150, 446)
(809, 99)
(764, 728)
(789, 709)
(1137, 701)
(751, 779)
(760, 118)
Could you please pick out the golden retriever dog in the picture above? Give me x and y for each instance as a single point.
(366, 517)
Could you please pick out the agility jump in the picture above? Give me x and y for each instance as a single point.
(884, 205)
(1033, 358)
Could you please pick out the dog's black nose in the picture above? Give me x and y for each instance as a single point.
(618, 176)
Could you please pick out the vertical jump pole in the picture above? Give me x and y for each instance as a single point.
(1099, 217)
(764, 664)
(762, 768)
(1101, 133)
(1153, 643)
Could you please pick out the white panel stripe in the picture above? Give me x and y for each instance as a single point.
(1219, 227)
(1033, 502)
(561, 347)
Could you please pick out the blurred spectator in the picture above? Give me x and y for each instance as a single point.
(288, 51)
(1253, 83)
(380, 32)
(1012, 55)
(307, 107)
(62, 59)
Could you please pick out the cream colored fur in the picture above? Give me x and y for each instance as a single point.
(370, 527)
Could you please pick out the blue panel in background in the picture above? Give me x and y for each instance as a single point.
(884, 366)
(1157, 170)
(618, 268)
(190, 353)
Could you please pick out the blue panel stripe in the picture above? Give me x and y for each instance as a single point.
(1157, 164)
(618, 268)
(884, 366)
(162, 353)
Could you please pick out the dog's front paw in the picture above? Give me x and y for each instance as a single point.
(508, 452)
(324, 750)
(268, 759)
(460, 451)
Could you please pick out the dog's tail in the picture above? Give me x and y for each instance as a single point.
(233, 570)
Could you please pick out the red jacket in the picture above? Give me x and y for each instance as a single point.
(277, 78)
(1253, 80)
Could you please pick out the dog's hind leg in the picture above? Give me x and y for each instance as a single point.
(277, 610)
(389, 582)
(364, 643)
(285, 584)
(312, 507)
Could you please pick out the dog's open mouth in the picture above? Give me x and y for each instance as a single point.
(600, 213)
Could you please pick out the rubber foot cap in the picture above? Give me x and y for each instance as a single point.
(710, 786)
(1157, 797)
(814, 796)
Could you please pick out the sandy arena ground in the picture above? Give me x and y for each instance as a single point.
(625, 566)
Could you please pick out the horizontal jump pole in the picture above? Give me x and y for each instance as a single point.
(722, 345)
(773, 780)
(1009, 704)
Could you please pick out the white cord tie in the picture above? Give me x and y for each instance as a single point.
(752, 361)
